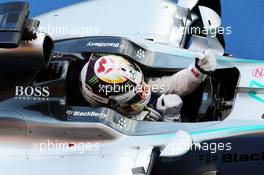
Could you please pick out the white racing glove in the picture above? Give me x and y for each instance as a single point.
(170, 105)
(205, 64)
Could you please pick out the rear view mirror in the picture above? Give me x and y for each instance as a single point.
(180, 145)
(211, 20)
(13, 18)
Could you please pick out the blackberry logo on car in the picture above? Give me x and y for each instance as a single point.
(208, 158)
(232, 157)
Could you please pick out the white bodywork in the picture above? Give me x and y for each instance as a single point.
(153, 19)
(137, 20)
(44, 148)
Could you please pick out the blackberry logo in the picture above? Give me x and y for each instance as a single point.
(208, 158)
(236, 157)
(233, 158)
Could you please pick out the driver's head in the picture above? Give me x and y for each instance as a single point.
(113, 80)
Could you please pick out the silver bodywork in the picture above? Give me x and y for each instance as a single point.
(118, 144)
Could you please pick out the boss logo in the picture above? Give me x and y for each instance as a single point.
(38, 93)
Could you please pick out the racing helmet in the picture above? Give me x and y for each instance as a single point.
(113, 80)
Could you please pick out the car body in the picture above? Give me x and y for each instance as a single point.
(47, 128)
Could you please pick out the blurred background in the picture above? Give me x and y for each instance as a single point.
(245, 18)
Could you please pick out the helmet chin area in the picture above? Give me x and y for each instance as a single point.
(138, 102)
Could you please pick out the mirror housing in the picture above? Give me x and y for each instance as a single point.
(178, 146)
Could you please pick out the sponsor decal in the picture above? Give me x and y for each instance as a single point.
(86, 114)
(232, 157)
(208, 158)
(236, 157)
(31, 93)
(93, 80)
(105, 44)
(258, 72)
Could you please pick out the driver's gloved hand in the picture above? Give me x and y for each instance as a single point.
(170, 106)
(205, 64)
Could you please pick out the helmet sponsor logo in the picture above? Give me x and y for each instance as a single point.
(112, 70)
(93, 80)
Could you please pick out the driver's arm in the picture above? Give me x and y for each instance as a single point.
(186, 80)
(181, 83)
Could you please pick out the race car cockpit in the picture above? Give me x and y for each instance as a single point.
(32, 61)
(211, 101)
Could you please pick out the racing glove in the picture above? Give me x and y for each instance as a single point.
(205, 64)
(170, 106)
